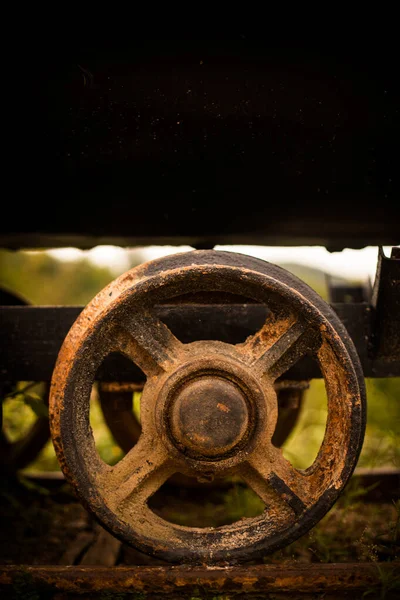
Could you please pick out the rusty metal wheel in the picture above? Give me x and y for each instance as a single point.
(20, 453)
(208, 409)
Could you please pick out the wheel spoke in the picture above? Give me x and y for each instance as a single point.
(258, 483)
(299, 340)
(138, 475)
(280, 344)
(148, 342)
(277, 473)
(291, 497)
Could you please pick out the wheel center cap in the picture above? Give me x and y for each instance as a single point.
(209, 416)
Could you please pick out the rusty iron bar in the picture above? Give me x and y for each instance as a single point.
(180, 581)
(32, 337)
(112, 387)
(386, 303)
(380, 484)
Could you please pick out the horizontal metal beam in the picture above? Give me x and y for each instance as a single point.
(379, 484)
(304, 580)
(31, 338)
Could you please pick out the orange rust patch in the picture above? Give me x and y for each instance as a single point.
(223, 407)
(199, 438)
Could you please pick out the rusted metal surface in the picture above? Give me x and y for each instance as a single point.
(386, 301)
(300, 581)
(116, 404)
(208, 417)
(121, 318)
(116, 387)
(32, 337)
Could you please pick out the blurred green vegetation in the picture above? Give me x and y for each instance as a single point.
(43, 279)
(21, 407)
(381, 446)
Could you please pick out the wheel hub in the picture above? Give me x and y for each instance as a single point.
(212, 411)
(209, 416)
